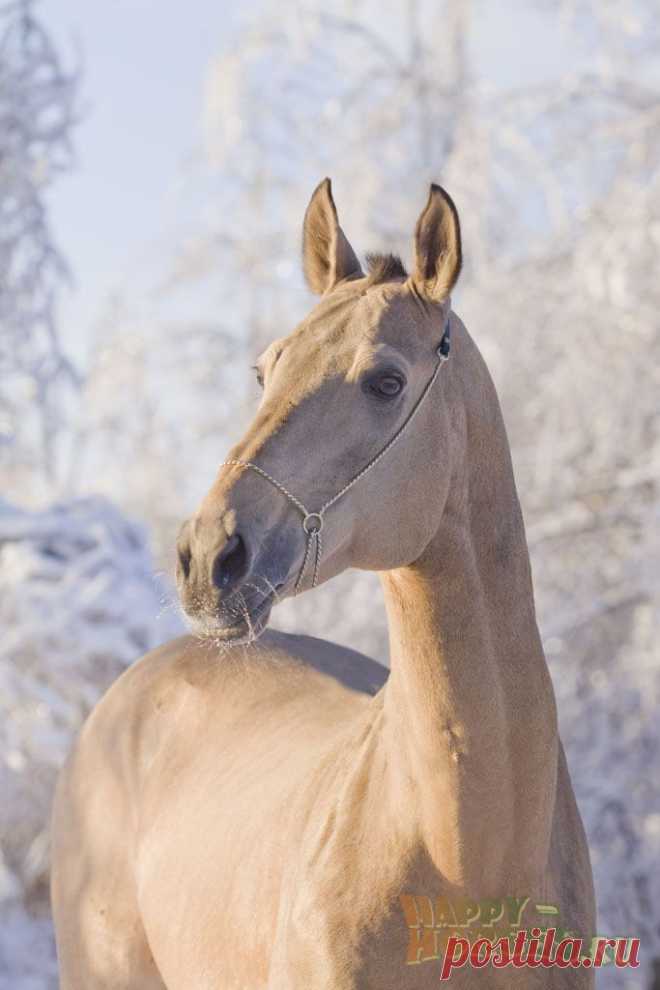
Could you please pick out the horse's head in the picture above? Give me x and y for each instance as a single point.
(288, 509)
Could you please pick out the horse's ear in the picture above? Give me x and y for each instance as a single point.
(438, 255)
(327, 255)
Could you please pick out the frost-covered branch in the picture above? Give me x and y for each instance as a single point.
(37, 116)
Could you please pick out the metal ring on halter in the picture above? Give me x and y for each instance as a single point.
(310, 526)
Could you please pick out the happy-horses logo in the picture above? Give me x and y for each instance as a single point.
(462, 932)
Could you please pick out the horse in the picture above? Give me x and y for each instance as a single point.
(250, 809)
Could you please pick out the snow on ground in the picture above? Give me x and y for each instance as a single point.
(78, 603)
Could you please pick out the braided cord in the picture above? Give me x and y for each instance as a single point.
(313, 530)
(390, 443)
(303, 567)
(264, 474)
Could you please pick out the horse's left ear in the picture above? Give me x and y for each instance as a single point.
(327, 255)
(438, 256)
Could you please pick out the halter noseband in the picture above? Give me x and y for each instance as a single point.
(312, 522)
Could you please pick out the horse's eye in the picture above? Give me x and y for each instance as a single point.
(386, 386)
(258, 374)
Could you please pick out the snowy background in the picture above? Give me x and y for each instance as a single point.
(154, 168)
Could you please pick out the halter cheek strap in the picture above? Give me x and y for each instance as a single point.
(312, 522)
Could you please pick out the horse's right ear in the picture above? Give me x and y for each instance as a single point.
(438, 253)
(327, 255)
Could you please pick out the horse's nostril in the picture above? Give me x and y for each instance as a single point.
(183, 552)
(230, 566)
(184, 562)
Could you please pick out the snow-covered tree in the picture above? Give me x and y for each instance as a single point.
(37, 115)
(183, 382)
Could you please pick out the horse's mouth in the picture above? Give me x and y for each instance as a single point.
(239, 620)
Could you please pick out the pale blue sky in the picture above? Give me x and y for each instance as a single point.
(144, 65)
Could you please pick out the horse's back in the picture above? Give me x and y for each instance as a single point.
(348, 667)
(180, 756)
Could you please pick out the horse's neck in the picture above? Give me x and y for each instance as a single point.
(470, 712)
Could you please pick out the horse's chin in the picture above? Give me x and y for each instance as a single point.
(227, 631)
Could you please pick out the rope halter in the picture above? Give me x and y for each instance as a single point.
(312, 522)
